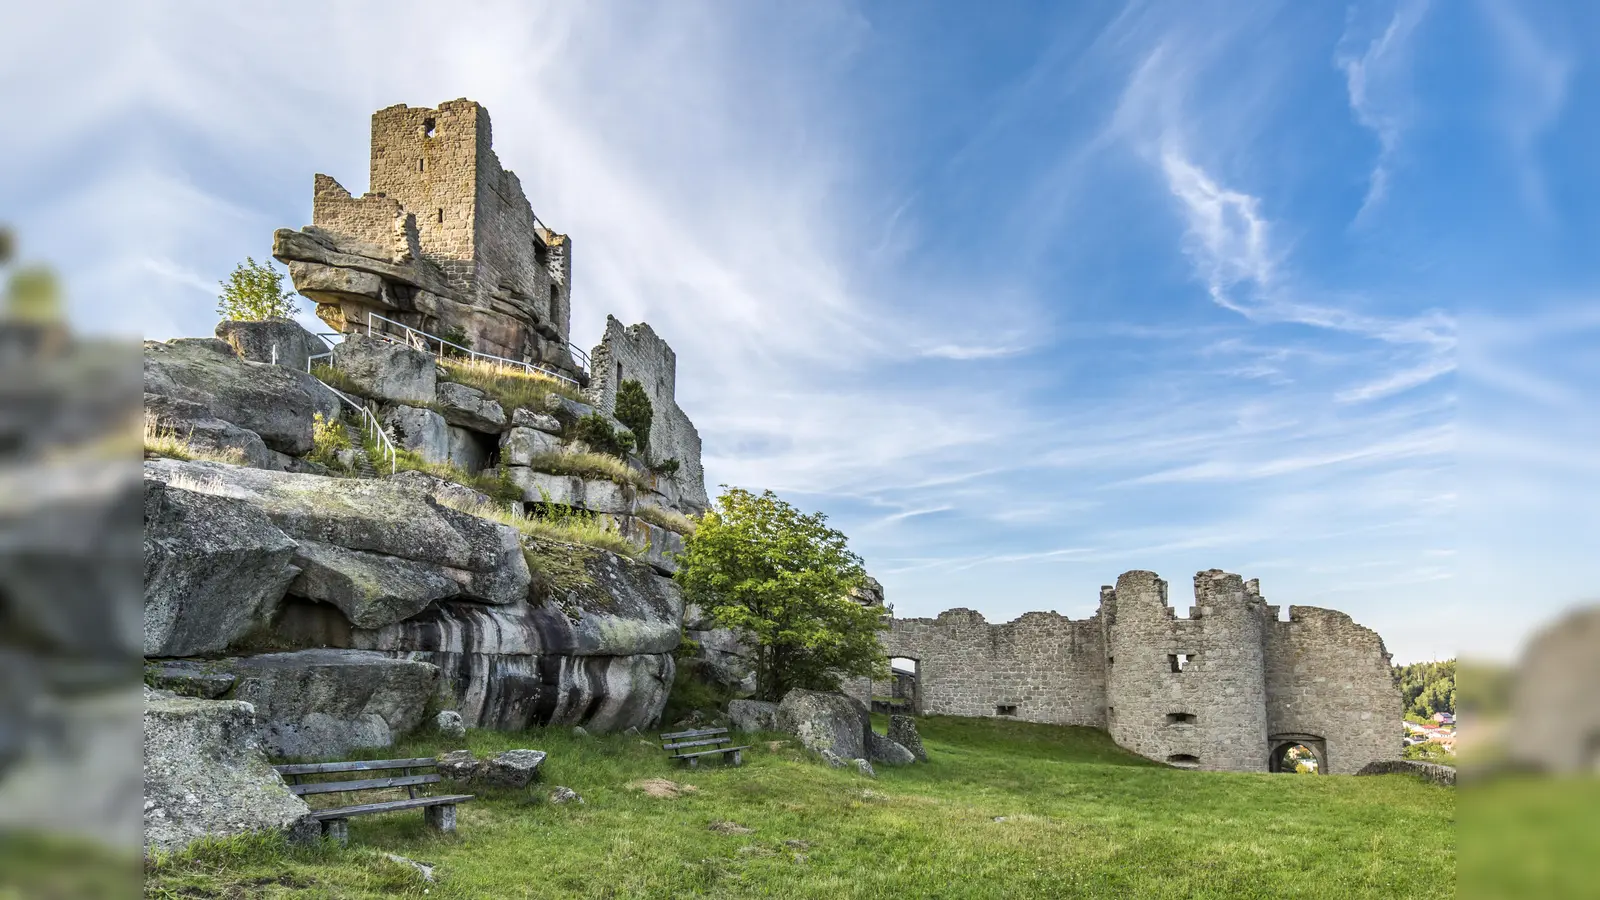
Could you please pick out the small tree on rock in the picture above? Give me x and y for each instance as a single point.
(758, 565)
(634, 410)
(255, 292)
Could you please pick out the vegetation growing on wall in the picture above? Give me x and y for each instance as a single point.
(510, 387)
(634, 411)
(587, 465)
(757, 564)
(254, 292)
(595, 431)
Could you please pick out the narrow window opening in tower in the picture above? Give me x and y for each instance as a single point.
(1180, 718)
(441, 216)
(1111, 660)
(1180, 661)
(555, 304)
(421, 165)
(427, 128)
(1005, 710)
(1184, 761)
(619, 374)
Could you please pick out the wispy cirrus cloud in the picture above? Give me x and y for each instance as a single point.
(1376, 82)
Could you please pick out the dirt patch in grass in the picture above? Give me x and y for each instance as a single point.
(661, 788)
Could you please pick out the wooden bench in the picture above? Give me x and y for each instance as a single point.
(438, 811)
(712, 738)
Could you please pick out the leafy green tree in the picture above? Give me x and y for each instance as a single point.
(634, 411)
(255, 292)
(757, 564)
(1427, 687)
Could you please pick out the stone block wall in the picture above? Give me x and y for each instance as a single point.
(636, 353)
(427, 159)
(1043, 667)
(1330, 678)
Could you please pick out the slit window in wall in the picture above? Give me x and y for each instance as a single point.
(1005, 710)
(1180, 661)
(1180, 718)
(441, 216)
(1184, 761)
(1111, 660)
(421, 165)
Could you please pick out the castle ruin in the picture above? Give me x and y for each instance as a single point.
(1229, 688)
(445, 241)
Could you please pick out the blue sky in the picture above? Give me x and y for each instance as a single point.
(1021, 297)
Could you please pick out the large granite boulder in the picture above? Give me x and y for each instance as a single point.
(469, 408)
(381, 516)
(325, 703)
(193, 423)
(887, 752)
(753, 715)
(277, 341)
(383, 370)
(276, 403)
(422, 431)
(371, 589)
(519, 446)
(597, 495)
(726, 657)
(204, 775)
(826, 721)
(215, 567)
(511, 768)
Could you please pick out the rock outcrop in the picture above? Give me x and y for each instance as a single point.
(276, 403)
(279, 341)
(903, 731)
(825, 721)
(887, 752)
(327, 703)
(204, 775)
(753, 715)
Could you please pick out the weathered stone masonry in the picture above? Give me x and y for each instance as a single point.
(1224, 689)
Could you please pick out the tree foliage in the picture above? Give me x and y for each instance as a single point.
(1427, 688)
(255, 292)
(595, 430)
(634, 410)
(757, 564)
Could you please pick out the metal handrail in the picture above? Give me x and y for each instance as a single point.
(418, 339)
(368, 420)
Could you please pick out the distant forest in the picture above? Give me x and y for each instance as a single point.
(1428, 688)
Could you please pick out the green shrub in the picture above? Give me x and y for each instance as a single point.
(456, 335)
(595, 430)
(255, 292)
(666, 468)
(634, 411)
(327, 439)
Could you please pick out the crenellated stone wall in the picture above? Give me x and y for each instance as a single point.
(1223, 689)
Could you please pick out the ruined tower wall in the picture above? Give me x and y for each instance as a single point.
(427, 159)
(1045, 665)
(637, 353)
(1330, 678)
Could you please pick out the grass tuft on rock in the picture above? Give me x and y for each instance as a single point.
(166, 441)
(560, 525)
(670, 519)
(589, 465)
(511, 388)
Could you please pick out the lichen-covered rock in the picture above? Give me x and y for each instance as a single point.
(333, 284)
(519, 446)
(276, 403)
(564, 795)
(468, 407)
(447, 492)
(1434, 772)
(726, 657)
(381, 516)
(204, 776)
(448, 723)
(528, 418)
(215, 567)
(194, 424)
(371, 589)
(458, 765)
(422, 431)
(512, 769)
(596, 495)
(865, 768)
(753, 715)
(903, 731)
(883, 750)
(382, 370)
(826, 721)
(510, 693)
(188, 678)
(277, 341)
(327, 703)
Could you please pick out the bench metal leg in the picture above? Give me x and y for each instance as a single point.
(694, 762)
(738, 757)
(337, 829)
(440, 818)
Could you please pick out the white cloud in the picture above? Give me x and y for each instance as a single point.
(1376, 83)
(1536, 73)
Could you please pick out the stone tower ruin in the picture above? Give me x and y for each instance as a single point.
(444, 241)
(1228, 688)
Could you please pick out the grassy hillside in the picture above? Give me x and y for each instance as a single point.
(1004, 809)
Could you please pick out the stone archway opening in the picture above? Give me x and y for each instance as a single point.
(905, 684)
(1302, 754)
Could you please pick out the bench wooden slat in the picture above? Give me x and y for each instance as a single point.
(344, 812)
(701, 732)
(367, 784)
(707, 742)
(360, 765)
(709, 752)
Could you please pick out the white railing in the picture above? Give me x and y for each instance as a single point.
(422, 340)
(368, 420)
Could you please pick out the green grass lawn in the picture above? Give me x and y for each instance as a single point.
(1003, 809)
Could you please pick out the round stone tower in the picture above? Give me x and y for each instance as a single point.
(1188, 692)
